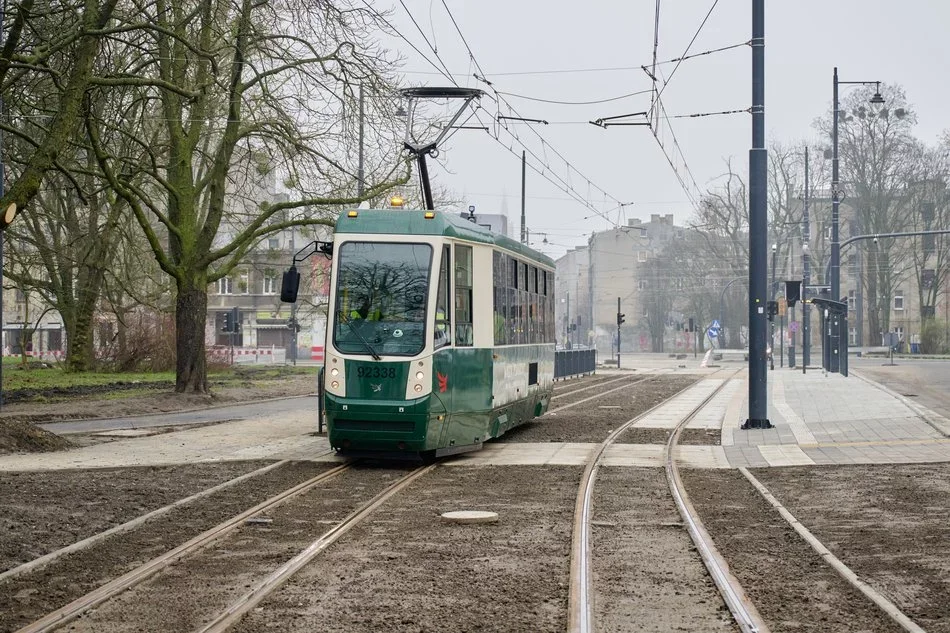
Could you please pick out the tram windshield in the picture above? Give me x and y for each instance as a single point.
(381, 295)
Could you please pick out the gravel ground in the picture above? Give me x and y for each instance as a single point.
(207, 582)
(701, 437)
(647, 575)
(789, 583)
(594, 420)
(405, 570)
(26, 598)
(597, 386)
(570, 384)
(887, 523)
(48, 510)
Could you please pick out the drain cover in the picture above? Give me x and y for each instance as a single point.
(470, 516)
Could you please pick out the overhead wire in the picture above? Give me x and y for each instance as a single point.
(566, 185)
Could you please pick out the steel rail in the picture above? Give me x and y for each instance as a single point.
(585, 388)
(891, 609)
(580, 604)
(46, 559)
(595, 396)
(742, 609)
(255, 596)
(77, 607)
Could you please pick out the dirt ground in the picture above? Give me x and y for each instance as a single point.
(887, 523)
(646, 574)
(204, 584)
(793, 588)
(46, 510)
(593, 421)
(406, 570)
(29, 596)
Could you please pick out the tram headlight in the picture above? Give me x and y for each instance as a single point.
(334, 372)
(420, 375)
(417, 388)
(335, 384)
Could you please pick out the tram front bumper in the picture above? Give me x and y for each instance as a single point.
(382, 425)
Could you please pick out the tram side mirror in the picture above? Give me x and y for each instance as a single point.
(289, 285)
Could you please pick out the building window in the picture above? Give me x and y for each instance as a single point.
(270, 282)
(641, 256)
(853, 336)
(642, 285)
(273, 243)
(225, 286)
(929, 244)
(899, 300)
(643, 231)
(851, 300)
(244, 284)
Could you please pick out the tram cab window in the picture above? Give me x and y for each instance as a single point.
(463, 295)
(442, 332)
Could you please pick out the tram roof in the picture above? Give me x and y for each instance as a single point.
(414, 222)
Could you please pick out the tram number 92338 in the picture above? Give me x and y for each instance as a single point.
(376, 372)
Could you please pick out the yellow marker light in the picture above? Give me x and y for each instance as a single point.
(351, 214)
(429, 215)
(397, 201)
(417, 388)
(335, 384)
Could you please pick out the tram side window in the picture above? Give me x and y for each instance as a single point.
(463, 295)
(500, 276)
(441, 333)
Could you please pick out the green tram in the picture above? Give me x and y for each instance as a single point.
(440, 337)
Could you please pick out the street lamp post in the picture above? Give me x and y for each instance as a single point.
(877, 99)
(806, 315)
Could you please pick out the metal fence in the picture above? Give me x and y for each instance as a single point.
(574, 362)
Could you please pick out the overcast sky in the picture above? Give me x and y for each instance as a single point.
(518, 44)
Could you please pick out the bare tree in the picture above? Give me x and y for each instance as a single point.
(241, 89)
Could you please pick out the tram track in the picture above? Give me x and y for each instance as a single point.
(101, 545)
(581, 586)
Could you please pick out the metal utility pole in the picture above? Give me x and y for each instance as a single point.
(524, 232)
(620, 320)
(806, 315)
(772, 301)
(569, 345)
(360, 176)
(758, 231)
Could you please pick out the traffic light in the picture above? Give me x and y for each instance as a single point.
(232, 320)
(692, 325)
(620, 319)
(772, 309)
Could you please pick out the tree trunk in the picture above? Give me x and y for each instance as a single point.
(79, 351)
(191, 310)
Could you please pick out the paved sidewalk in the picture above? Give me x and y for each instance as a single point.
(830, 419)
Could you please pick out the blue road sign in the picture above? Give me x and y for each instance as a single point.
(713, 332)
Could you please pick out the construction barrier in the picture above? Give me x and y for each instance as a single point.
(316, 353)
(248, 356)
